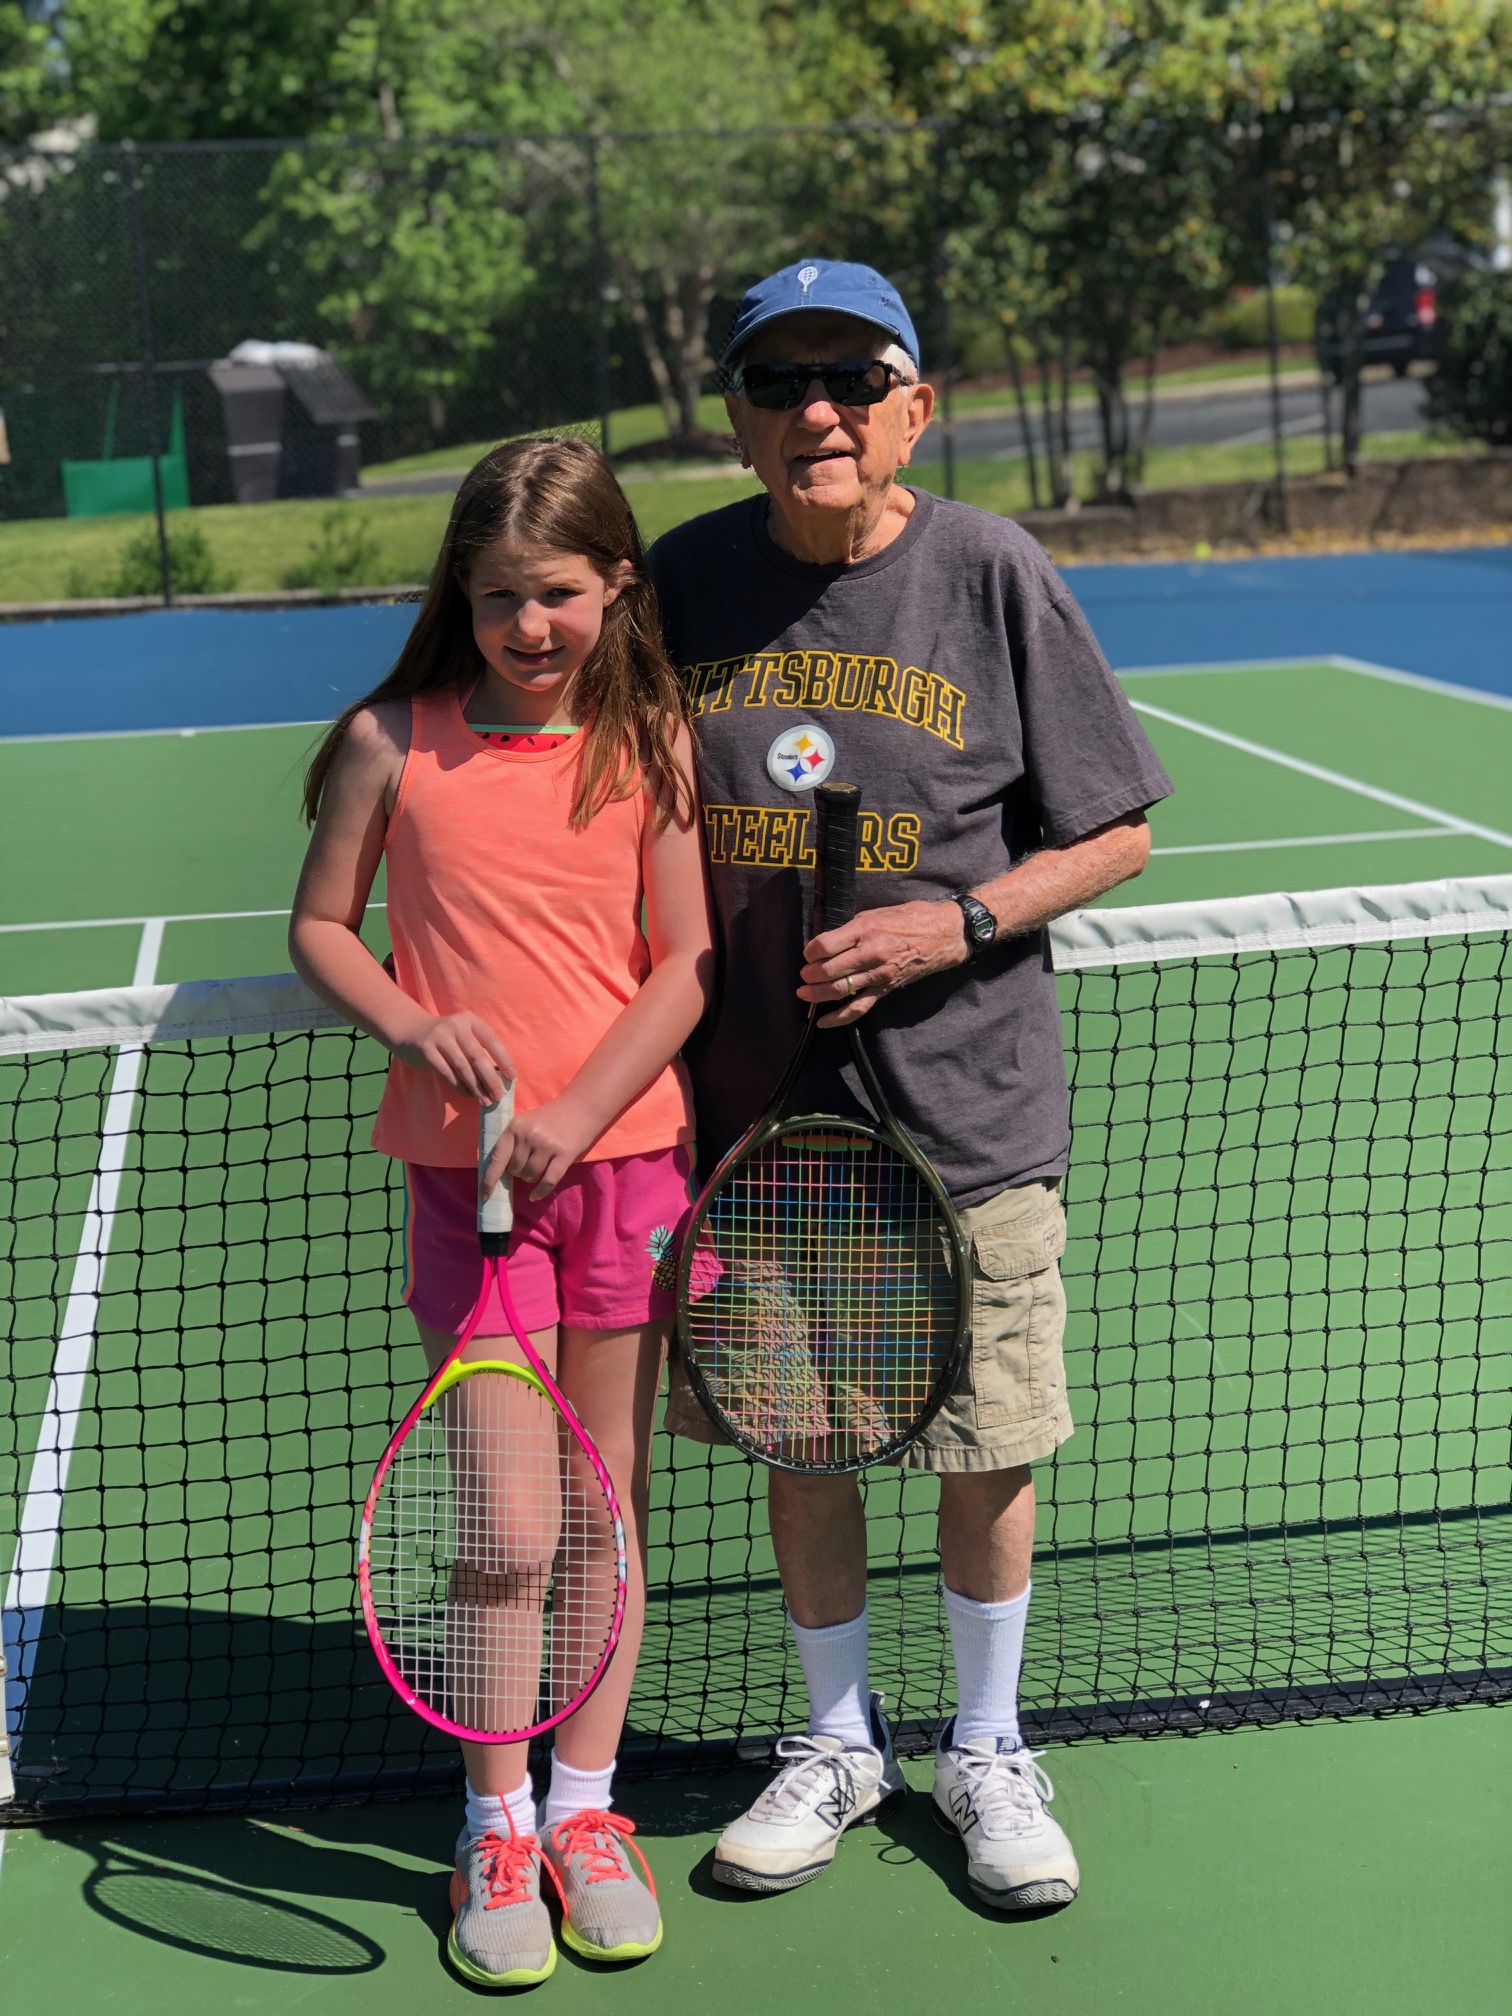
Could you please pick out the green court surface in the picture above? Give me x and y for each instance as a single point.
(1332, 1868)
(1355, 1869)
(1288, 776)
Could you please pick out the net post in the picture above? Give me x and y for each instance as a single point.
(7, 1781)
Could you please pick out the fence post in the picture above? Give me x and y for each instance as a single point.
(942, 311)
(1272, 337)
(149, 367)
(600, 302)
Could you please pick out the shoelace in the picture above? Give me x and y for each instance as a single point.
(601, 1839)
(806, 1769)
(1010, 1788)
(507, 1866)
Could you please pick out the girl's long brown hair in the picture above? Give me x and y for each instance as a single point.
(559, 493)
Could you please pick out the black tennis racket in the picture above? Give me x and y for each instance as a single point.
(824, 1290)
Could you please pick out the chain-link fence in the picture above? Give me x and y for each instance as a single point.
(1101, 310)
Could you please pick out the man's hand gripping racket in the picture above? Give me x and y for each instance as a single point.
(492, 1559)
(839, 1317)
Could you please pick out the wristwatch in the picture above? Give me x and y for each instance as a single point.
(981, 925)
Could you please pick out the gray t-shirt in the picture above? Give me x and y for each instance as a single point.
(953, 678)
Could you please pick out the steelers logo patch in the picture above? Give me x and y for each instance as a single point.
(800, 758)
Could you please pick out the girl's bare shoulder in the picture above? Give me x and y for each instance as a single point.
(380, 731)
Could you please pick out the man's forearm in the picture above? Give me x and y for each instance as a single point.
(1046, 885)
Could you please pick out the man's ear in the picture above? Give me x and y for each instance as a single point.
(732, 409)
(921, 405)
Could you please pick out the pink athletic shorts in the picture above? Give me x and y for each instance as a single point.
(600, 1253)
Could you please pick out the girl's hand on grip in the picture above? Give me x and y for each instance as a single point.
(463, 1052)
(539, 1147)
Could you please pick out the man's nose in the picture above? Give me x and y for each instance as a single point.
(817, 407)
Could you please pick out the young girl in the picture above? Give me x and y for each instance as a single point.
(526, 769)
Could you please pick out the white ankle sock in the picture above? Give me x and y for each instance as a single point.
(575, 1792)
(988, 1642)
(834, 1670)
(486, 1811)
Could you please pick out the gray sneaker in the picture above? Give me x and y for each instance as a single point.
(608, 1913)
(501, 1931)
(825, 1786)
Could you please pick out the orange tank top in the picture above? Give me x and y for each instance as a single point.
(499, 904)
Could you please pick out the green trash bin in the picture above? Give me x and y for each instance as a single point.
(117, 484)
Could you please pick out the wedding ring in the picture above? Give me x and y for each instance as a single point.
(848, 984)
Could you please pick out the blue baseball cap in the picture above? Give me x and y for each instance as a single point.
(837, 288)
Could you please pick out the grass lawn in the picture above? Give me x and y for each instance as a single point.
(634, 426)
(256, 546)
(1001, 484)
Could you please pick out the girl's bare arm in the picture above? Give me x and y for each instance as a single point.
(334, 886)
(650, 1030)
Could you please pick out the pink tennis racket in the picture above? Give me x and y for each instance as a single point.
(492, 1559)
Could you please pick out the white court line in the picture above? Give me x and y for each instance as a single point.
(163, 734)
(1316, 840)
(184, 917)
(30, 1579)
(1421, 681)
(1337, 659)
(1337, 778)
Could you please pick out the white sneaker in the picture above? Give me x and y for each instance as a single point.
(1017, 1857)
(791, 1833)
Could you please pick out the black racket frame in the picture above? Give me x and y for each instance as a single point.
(838, 823)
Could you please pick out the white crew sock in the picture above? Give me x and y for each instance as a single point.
(486, 1811)
(575, 1792)
(834, 1670)
(988, 1642)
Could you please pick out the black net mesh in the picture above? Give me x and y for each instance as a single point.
(1289, 1355)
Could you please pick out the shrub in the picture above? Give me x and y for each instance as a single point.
(1241, 321)
(1471, 390)
(193, 567)
(345, 554)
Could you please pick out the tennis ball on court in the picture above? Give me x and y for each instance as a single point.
(1203, 550)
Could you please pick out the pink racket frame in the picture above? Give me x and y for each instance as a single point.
(494, 1218)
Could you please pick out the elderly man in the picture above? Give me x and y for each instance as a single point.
(930, 652)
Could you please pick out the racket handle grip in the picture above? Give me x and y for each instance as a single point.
(837, 811)
(495, 1212)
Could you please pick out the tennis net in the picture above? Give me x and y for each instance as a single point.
(1289, 1353)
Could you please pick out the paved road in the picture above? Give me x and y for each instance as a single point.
(1217, 418)
(1396, 405)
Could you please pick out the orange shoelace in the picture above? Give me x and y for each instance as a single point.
(583, 1834)
(507, 1866)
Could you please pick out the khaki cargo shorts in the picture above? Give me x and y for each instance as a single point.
(1008, 1407)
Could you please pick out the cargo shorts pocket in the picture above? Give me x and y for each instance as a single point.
(1018, 1319)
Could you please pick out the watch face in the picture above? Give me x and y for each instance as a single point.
(981, 928)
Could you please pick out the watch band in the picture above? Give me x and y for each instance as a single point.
(981, 925)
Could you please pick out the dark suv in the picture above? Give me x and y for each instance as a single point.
(1399, 325)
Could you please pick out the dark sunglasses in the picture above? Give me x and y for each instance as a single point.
(779, 387)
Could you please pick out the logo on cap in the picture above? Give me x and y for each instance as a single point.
(807, 275)
(801, 758)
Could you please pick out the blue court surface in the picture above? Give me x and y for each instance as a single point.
(1445, 616)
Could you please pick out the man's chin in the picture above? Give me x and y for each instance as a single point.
(824, 486)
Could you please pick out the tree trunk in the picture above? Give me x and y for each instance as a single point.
(1026, 431)
(642, 322)
(1065, 404)
(1147, 410)
(1112, 485)
(1055, 466)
